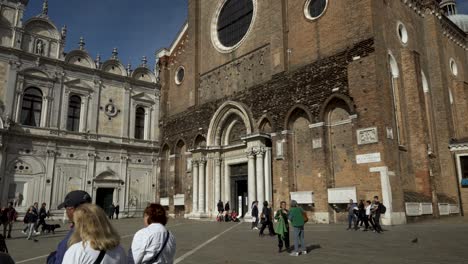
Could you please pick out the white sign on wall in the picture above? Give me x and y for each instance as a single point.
(341, 195)
(368, 158)
(179, 199)
(164, 201)
(303, 197)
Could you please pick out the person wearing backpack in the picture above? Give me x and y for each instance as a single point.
(377, 211)
(298, 218)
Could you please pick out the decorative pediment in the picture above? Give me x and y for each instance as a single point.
(144, 97)
(79, 85)
(107, 175)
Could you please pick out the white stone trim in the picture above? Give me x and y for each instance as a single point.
(404, 33)
(306, 11)
(214, 31)
(453, 67)
(320, 124)
(179, 82)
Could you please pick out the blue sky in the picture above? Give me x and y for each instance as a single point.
(136, 27)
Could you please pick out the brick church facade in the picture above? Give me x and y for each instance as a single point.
(315, 100)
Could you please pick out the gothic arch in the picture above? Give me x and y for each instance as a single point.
(222, 115)
(199, 142)
(265, 125)
(293, 111)
(36, 165)
(333, 100)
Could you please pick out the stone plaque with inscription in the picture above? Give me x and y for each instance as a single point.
(368, 158)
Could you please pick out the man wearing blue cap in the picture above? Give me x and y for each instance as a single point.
(71, 202)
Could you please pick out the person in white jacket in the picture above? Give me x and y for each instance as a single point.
(153, 244)
(94, 239)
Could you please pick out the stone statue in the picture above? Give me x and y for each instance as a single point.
(39, 47)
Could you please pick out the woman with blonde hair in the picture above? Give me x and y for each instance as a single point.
(94, 240)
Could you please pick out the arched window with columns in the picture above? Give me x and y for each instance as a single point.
(74, 112)
(31, 107)
(140, 123)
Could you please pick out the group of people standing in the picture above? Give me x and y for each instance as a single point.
(295, 216)
(93, 239)
(365, 213)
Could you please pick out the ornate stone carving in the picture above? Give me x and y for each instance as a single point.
(367, 136)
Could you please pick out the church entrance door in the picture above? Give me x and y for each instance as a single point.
(104, 197)
(239, 189)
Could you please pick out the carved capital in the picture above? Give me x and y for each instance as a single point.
(218, 161)
(260, 151)
(51, 153)
(250, 152)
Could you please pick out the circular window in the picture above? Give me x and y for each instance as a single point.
(402, 33)
(180, 74)
(453, 67)
(314, 9)
(231, 23)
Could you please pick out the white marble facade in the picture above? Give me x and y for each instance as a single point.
(106, 146)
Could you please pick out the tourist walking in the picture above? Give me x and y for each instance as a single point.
(42, 217)
(71, 202)
(36, 211)
(117, 211)
(10, 215)
(377, 211)
(111, 211)
(298, 218)
(255, 215)
(220, 207)
(369, 218)
(282, 228)
(352, 208)
(266, 220)
(30, 220)
(94, 239)
(154, 243)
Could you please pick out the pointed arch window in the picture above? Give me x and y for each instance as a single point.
(74, 110)
(31, 109)
(140, 123)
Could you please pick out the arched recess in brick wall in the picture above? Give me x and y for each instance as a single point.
(300, 148)
(199, 142)
(394, 73)
(164, 173)
(180, 168)
(340, 136)
(229, 114)
(265, 126)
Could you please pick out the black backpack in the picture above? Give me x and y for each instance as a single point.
(383, 209)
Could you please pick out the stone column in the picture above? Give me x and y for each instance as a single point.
(146, 133)
(19, 99)
(217, 182)
(63, 117)
(44, 111)
(260, 177)
(251, 179)
(84, 113)
(267, 171)
(227, 183)
(195, 187)
(126, 111)
(50, 173)
(201, 186)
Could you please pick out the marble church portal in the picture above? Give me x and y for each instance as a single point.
(69, 122)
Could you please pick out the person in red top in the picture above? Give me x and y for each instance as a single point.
(234, 216)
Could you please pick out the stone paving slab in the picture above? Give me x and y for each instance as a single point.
(212, 242)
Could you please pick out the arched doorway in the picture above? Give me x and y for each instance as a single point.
(180, 179)
(107, 190)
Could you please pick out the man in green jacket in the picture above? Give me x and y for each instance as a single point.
(296, 216)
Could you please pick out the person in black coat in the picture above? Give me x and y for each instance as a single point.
(255, 215)
(42, 217)
(117, 211)
(266, 220)
(226, 210)
(30, 219)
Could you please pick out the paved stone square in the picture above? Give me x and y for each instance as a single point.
(212, 242)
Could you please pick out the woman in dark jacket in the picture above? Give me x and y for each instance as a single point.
(30, 219)
(255, 215)
(266, 220)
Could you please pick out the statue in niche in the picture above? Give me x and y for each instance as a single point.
(39, 47)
